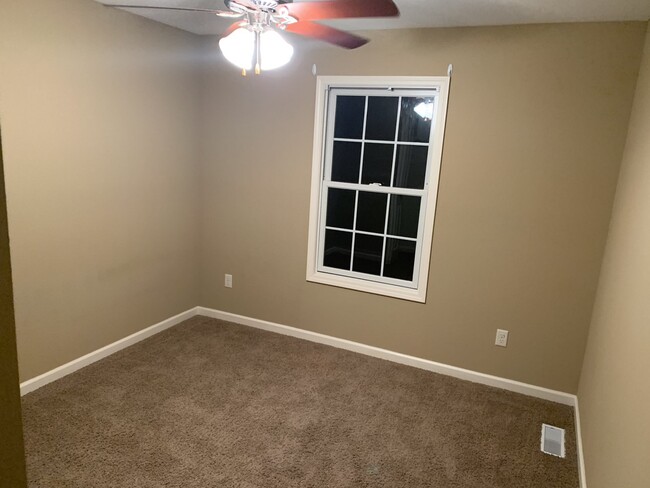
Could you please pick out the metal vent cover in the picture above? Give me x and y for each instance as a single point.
(553, 441)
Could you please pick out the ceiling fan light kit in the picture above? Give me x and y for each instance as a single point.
(254, 41)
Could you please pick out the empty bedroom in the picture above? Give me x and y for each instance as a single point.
(324, 243)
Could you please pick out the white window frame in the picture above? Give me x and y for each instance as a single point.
(388, 287)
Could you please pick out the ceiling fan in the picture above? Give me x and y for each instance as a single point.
(253, 40)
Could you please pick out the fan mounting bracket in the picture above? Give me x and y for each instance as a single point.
(261, 13)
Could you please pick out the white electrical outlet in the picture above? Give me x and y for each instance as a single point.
(502, 338)
(228, 281)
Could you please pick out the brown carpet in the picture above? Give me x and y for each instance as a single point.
(212, 404)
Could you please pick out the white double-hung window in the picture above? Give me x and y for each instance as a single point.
(377, 154)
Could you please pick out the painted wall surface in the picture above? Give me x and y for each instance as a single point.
(99, 112)
(536, 129)
(12, 456)
(614, 389)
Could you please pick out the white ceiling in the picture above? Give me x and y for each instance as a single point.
(424, 13)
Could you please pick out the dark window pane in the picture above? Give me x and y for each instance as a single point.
(382, 118)
(338, 249)
(415, 119)
(377, 164)
(349, 117)
(346, 161)
(404, 215)
(399, 259)
(340, 208)
(367, 254)
(371, 212)
(410, 166)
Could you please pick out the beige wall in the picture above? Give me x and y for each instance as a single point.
(614, 389)
(99, 112)
(536, 128)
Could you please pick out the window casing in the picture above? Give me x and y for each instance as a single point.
(377, 153)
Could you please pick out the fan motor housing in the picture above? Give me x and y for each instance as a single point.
(262, 4)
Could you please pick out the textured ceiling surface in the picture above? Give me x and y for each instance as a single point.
(424, 13)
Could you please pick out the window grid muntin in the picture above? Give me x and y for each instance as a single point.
(356, 193)
(389, 200)
(377, 141)
(327, 183)
(390, 236)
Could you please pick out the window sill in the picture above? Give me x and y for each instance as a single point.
(392, 291)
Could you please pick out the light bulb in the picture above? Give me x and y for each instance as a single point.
(239, 47)
(274, 50)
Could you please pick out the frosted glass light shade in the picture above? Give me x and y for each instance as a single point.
(274, 50)
(239, 47)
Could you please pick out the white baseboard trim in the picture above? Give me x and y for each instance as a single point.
(396, 357)
(464, 374)
(581, 456)
(64, 370)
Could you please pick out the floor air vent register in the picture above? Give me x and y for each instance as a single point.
(552, 441)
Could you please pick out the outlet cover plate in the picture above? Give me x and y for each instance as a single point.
(502, 338)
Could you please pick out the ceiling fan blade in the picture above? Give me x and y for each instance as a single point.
(341, 9)
(327, 34)
(233, 27)
(220, 13)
